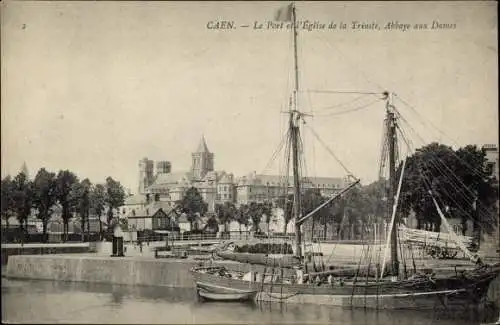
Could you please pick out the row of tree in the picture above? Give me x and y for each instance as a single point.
(20, 197)
(458, 180)
(461, 181)
(192, 204)
(245, 213)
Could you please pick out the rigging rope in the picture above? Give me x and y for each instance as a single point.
(476, 171)
(342, 104)
(456, 186)
(341, 225)
(451, 197)
(277, 150)
(330, 151)
(353, 66)
(350, 110)
(450, 230)
(482, 210)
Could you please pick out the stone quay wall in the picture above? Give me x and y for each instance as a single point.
(42, 249)
(117, 270)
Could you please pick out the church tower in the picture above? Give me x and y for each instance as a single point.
(203, 160)
(24, 170)
(146, 172)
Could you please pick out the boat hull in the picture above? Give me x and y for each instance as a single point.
(211, 292)
(227, 297)
(451, 293)
(447, 300)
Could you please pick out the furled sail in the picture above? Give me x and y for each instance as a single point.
(284, 261)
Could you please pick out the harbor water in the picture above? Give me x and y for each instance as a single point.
(36, 301)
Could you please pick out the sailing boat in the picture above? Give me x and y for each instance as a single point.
(341, 286)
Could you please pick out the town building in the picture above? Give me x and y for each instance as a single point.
(218, 187)
(146, 174)
(214, 186)
(261, 188)
(155, 215)
(133, 203)
(491, 242)
(491, 152)
(163, 167)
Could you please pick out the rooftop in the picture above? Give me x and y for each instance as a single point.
(136, 199)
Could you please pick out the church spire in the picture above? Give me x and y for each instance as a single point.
(202, 146)
(203, 160)
(24, 170)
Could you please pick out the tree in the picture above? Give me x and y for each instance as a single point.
(115, 196)
(84, 205)
(285, 202)
(22, 193)
(337, 210)
(375, 193)
(267, 210)
(80, 195)
(311, 199)
(191, 204)
(7, 202)
(458, 182)
(242, 215)
(44, 196)
(225, 213)
(97, 202)
(212, 225)
(66, 195)
(471, 171)
(255, 213)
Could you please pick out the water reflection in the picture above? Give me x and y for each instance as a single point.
(101, 303)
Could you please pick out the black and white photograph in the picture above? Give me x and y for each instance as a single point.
(250, 162)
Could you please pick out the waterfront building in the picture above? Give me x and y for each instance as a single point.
(133, 203)
(156, 215)
(491, 152)
(261, 188)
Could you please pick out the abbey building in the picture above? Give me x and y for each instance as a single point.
(218, 186)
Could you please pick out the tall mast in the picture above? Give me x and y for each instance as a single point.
(391, 137)
(295, 60)
(294, 128)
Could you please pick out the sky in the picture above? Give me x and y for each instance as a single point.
(93, 87)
